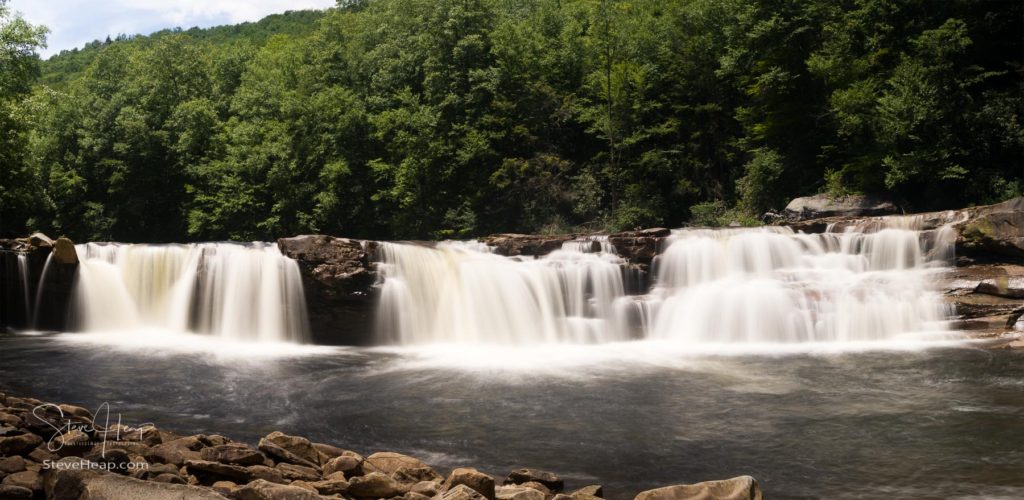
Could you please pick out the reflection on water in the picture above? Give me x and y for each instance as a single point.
(941, 423)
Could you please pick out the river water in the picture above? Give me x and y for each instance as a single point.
(833, 422)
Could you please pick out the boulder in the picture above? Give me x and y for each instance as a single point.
(19, 444)
(519, 493)
(69, 483)
(265, 490)
(825, 205)
(40, 240)
(11, 492)
(210, 472)
(511, 244)
(349, 463)
(269, 474)
(234, 453)
(292, 449)
(331, 486)
(480, 482)
(175, 452)
(375, 485)
(993, 230)
(338, 278)
(298, 472)
(737, 488)
(1003, 286)
(64, 251)
(525, 475)
(28, 479)
(388, 462)
(10, 465)
(426, 488)
(413, 475)
(462, 492)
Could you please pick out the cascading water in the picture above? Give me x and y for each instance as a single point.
(462, 294)
(23, 277)
(765, 285)
(232, 291)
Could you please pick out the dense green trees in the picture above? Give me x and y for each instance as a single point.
(450, 118)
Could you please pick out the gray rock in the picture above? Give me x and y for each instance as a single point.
(824, 205)
(737, 488)
(347, 463)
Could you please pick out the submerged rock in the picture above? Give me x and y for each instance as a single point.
(737, 488)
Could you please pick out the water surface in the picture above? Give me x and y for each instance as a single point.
(936, 423)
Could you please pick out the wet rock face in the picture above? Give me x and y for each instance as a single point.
(993, 230)
(338, 278)
(639, 247)
(824, 205)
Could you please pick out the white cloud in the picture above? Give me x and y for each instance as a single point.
(73, 23)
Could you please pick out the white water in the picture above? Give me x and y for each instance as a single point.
(458, 293)
(23, 277)
(230, 291)
(712, 287)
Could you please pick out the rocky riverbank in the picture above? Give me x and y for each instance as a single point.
(60, 451)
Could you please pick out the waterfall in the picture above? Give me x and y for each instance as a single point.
(23, 277)
(762, 285)
(462, 293)
(39, 291)
(232, 291)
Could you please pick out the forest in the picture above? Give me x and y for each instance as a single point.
(415, 119)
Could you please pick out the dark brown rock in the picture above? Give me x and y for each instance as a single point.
(11, 492)
(338, 278)
(10, 465)
(512, 245)
(28, 479)
(19, 444)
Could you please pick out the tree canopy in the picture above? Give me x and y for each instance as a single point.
(452, 118)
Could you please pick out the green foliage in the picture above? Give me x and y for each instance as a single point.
(455, 118)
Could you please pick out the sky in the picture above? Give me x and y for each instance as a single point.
(73, 23)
